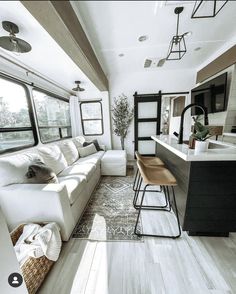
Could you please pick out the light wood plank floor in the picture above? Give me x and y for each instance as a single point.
(188, 265)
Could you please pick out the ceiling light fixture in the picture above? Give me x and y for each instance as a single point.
(78, 88)
(198, 48)
(143, 38)
(121, 55)
(207, 9)
(177, 47)
(11, 42)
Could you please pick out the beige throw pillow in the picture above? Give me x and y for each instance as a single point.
(88, 150)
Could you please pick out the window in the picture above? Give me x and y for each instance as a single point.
(17, 127)
(91, 118)
(53, 115)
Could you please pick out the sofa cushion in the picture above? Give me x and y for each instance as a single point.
(93, 158)
(75, 185)
(53, 157)
(86, 170)
(78, 141)
(70, 151)
(13, 168)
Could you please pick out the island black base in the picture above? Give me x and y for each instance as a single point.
(209, 234)
(206, 194)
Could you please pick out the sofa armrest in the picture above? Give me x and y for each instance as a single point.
(22, 203)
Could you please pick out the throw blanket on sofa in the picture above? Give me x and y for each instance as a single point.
(37, 241)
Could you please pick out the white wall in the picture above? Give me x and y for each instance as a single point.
(145, 82)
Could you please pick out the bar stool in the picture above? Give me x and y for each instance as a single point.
(158, 176)
(147, 161)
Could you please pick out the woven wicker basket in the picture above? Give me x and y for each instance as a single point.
(34, 270)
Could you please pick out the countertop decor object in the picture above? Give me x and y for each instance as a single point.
(200, 135)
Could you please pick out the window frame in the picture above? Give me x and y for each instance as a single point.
(91, 119)
(53, 95)
(31, 117)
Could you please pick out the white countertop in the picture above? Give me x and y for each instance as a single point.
(225, 152)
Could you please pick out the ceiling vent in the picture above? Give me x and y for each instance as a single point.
(154, 62)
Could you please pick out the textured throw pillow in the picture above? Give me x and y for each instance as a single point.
(88, 150)
(53, 157)
(70, 151)
(95, 142)
(13, 168)
(39, 173)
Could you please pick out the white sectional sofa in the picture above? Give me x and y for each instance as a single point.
(63, 202)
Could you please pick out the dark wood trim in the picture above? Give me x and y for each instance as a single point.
(59, 19)
(147, 98)
(225, 60)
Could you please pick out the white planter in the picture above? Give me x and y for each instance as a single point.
(201, 146)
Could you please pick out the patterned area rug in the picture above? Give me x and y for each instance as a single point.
(109, 215)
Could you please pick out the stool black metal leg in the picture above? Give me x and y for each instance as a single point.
(153, 207)
(177, 216)
(136, 194)
(135, 179)
(139, 211)
(176, 212)
(167, 195)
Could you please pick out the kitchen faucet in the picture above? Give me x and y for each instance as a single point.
(181, 128)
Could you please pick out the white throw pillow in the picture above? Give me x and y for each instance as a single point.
(88, 150)
(70, 151)
(79, 141)
(13, 168)
(53, 157)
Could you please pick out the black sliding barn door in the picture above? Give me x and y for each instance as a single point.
(147, 119)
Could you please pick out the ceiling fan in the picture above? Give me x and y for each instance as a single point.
(11, 42)
(78, 88)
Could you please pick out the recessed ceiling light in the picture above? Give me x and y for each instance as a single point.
(198, 48)
(121, 55)
(143, 38)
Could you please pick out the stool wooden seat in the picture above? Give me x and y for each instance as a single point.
(158, 176)
(146, 160)
(149, 160)
(161, 176)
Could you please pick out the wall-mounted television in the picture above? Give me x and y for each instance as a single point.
(212, 95)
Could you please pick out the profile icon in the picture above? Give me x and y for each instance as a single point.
(15, 280)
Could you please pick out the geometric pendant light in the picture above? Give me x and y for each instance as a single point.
(177, 47)
(207, 9)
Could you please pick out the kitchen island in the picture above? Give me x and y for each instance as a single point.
(206, 192)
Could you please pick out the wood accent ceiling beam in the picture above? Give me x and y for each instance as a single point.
(220, 63)
(60, 21)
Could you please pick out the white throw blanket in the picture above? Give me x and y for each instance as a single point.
(37, 241)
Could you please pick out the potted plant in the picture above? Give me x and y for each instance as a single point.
(200, 136)
(122, 115)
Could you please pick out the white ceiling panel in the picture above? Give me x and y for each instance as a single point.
(113, 27)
